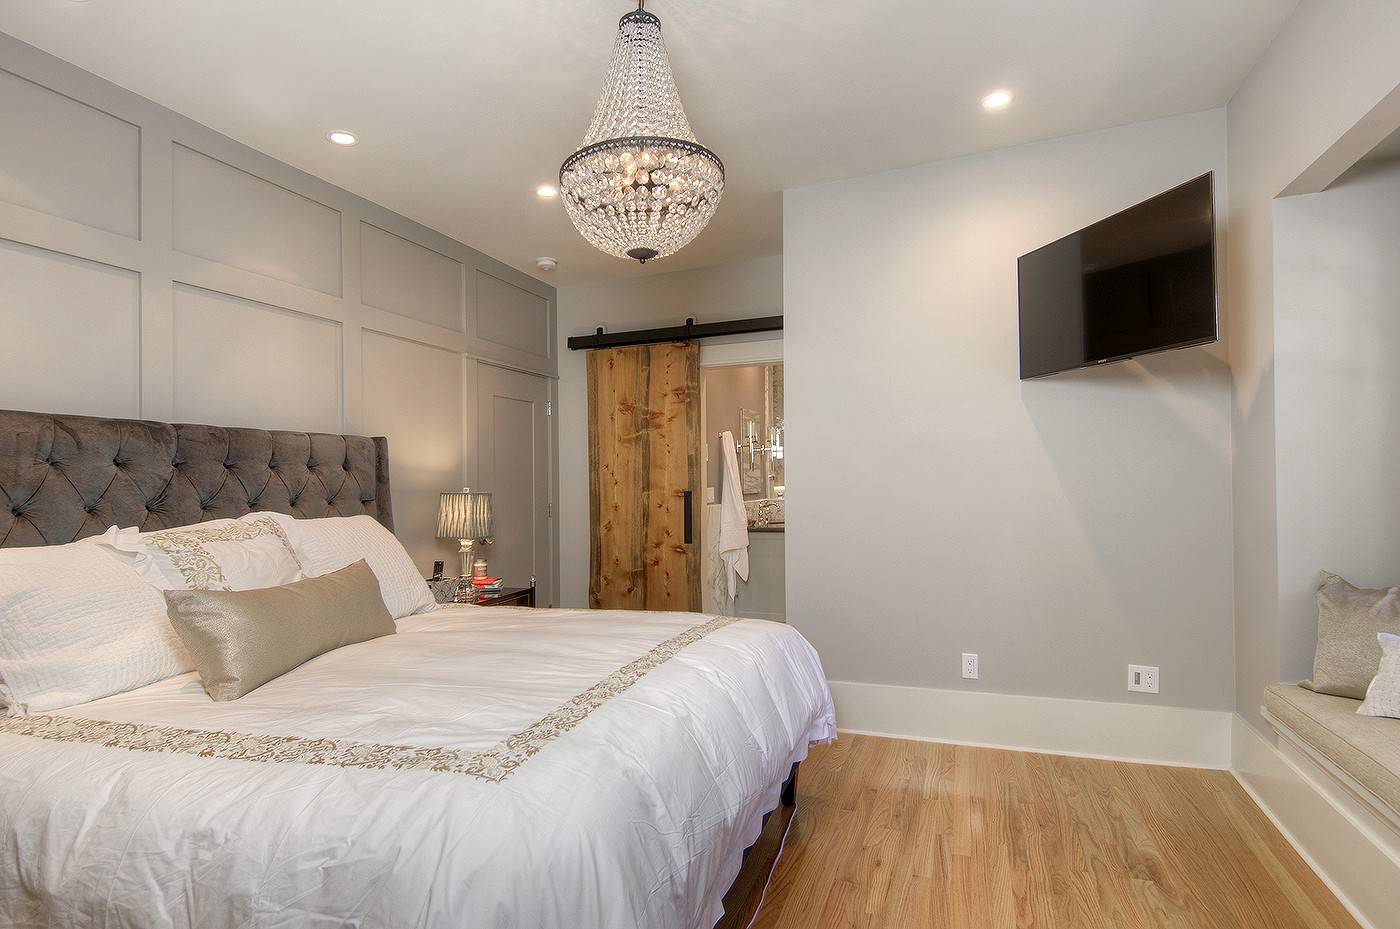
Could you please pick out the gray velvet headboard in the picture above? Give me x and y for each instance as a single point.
(63, 478)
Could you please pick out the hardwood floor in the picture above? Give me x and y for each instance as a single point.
(897, 835)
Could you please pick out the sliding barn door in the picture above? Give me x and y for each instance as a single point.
(644, 474)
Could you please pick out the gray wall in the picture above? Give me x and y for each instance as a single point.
(1060, 528)
(733, 291)
(1328, 68)
(1337, 341)
(150, 267)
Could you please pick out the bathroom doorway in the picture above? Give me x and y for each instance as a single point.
(745, 398)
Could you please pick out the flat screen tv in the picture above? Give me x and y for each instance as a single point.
(1140, 281)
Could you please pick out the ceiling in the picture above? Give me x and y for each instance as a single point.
(462, 107)
(1389, 148)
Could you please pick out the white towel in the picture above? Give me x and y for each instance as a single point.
(714, 591)
(733, 520)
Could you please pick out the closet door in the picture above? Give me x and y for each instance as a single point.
(644, 477)
(513, 449)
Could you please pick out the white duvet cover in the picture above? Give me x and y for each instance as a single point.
(482, 769)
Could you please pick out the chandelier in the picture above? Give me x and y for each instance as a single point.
(640, 186)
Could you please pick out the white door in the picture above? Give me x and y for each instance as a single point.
(514, 454)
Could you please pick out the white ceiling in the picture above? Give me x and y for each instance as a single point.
(464, 106)
(1389, 148)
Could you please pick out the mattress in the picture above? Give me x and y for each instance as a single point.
(549, 769)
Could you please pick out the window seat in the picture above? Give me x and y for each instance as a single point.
(1363, 752)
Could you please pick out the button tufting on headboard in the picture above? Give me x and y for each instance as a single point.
(121, 472)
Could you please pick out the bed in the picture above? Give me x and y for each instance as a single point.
(480, 768)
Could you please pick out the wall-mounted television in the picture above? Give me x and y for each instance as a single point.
(1140, 281)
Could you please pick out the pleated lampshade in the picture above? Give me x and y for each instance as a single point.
(464, 515)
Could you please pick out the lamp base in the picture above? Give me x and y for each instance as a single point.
(466, 590)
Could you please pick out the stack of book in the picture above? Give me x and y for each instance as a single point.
(487, 585)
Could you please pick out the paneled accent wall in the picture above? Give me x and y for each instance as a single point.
(150, 267)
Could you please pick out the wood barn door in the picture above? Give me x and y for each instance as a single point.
(644, 477)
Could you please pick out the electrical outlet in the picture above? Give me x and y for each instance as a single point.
(969, 665)
(1142, 678)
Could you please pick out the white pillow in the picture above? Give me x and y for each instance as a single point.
(332, 543)
(223, 554)
(1383, 696)
(75, 625)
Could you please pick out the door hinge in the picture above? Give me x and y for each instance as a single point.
(549, 408)
(549, 510)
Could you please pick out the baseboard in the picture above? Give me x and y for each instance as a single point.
(1118, 731)
(1356, 854)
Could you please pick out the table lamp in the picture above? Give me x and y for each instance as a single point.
(466, 517)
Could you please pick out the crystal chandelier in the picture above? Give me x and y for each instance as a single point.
(640, 186)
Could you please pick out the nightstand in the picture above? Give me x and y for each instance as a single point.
(508, 596)
(444, 588)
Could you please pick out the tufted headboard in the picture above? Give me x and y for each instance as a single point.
(63, 478)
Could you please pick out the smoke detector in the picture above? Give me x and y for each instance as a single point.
(546, 264)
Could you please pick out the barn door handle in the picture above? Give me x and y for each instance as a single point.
(689, 520)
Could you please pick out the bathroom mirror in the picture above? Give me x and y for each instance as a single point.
(747, 400)
(773, 389)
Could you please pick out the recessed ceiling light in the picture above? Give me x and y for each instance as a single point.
(996, 100)
(546, 191)
(341, 137)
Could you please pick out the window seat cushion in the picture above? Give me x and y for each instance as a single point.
(1367, 748)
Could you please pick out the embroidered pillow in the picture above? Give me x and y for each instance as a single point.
(240, 640)
(75, 625)
(222, 554)
(333, 542)
(1383, 695)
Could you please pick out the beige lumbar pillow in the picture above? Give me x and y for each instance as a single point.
(1348, 621)
(240, 640)
(1383, 696)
